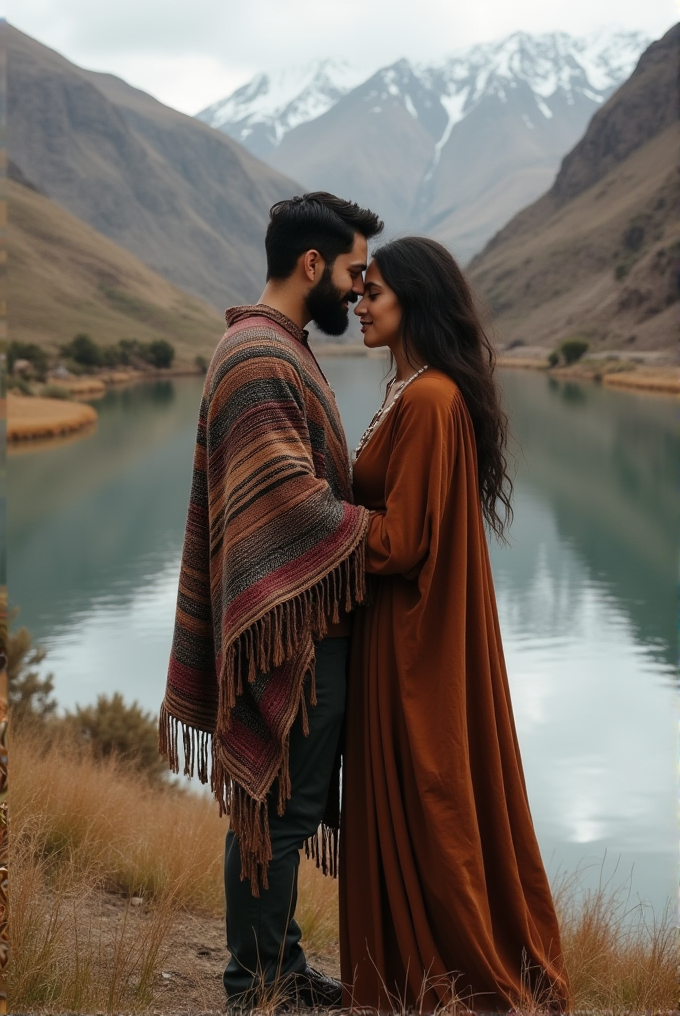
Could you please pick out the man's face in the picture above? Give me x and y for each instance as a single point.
(328, 301)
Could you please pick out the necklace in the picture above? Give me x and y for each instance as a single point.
(384, 409)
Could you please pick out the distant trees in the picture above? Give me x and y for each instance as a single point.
(570, 351)
(84, 352)
(31, 354)
(573, 349)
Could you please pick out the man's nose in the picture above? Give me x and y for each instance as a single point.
(358, 286)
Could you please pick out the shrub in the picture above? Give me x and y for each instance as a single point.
(201, 364)
(573, 349)
(35, 355)
(19, 384)
(112, 727)
(621, 270)
(553, 359)
(55, 392)
(29, 693)
(83, 350)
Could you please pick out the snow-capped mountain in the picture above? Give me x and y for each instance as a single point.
(260, 113)
(453, 148)
(272, 104)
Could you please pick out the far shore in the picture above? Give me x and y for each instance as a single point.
(42, 420)
(663, 379)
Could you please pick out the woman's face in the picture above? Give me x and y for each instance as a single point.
(379, 312)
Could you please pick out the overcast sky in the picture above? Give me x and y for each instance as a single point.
(189, 55)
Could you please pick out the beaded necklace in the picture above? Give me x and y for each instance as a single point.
(384, 410)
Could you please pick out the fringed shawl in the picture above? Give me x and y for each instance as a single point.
(273, 550)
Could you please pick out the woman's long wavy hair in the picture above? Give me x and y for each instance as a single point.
(441, 326)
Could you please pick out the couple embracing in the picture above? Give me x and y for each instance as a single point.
(324, 616)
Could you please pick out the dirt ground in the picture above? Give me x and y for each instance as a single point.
(190, 980)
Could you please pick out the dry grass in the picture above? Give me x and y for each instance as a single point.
(39, 418)
(621, 957)
(89, 838)
(87, 835)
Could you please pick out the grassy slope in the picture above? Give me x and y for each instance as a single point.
(558, 279)
(186, 200)
(65, 278)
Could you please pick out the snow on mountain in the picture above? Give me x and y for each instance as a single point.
(554, 66)
(264, 110)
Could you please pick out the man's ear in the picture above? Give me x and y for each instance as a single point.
(312, 265)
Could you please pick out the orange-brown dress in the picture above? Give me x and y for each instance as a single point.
(440, 870)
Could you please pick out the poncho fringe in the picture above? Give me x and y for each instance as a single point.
(274, 639)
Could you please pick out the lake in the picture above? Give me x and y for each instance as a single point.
(586, 590)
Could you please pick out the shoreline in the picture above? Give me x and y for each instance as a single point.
(647, 380)
(36, 419)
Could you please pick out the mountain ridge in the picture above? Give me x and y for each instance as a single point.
(65, 278)
(183, 198)
(598, 253)
(427, 144)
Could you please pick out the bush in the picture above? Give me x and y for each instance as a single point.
(201, 364)
(35, 355)
(55, 392)
(553, 359)
(19, 384)
(83, 350)
(159, 353)
(573, 349)
(112, 727)
(29, 693)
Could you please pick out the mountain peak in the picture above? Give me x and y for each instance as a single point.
(553, 66)
(262, 111)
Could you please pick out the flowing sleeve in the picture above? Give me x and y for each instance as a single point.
(418, 478)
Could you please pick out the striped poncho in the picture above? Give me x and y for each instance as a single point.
(273, 550)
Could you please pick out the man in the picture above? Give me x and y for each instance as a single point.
(272, 560)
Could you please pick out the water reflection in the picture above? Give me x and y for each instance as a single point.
(604, 465)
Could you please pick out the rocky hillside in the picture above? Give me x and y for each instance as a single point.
(183, 198)
(599, 254)
(453, 149)
(65, 278)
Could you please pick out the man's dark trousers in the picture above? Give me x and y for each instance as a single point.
(262, 934)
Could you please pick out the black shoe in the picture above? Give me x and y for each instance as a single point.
(317, 991)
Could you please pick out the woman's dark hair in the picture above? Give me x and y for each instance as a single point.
(315, 221)
(441, 325)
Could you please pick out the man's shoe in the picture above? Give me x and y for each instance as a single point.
(317, 991)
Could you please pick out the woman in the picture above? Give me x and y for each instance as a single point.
(443, 890)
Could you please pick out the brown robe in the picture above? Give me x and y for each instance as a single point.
(441, 875)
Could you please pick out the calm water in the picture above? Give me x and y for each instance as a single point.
(586, 591)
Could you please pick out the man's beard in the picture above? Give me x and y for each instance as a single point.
(324, 305)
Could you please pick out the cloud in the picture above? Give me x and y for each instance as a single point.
(192, 54)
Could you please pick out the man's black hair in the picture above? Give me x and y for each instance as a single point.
(317, 221)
